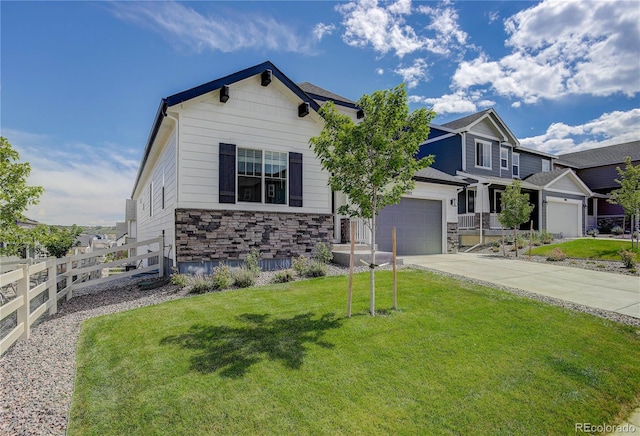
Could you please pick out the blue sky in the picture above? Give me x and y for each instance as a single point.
(81, 81)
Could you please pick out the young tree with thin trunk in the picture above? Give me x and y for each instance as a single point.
(373, 162)
(628, 195)
(516, 209)
(15, 197)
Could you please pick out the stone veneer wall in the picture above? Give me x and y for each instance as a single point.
(452, 238)
(224, 235)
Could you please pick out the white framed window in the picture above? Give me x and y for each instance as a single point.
(260, 176)
(546, 165)
(504, 158)
(483, 154)
(515, 157)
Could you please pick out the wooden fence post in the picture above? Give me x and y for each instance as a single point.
(352, 230)
(52, 283)
(69, 279)
(23, 311)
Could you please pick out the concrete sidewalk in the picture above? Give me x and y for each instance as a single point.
(614, 292)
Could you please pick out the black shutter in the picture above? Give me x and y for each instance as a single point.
(295, 179)
(227, 186)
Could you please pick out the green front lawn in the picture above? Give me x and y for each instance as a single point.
(456, 359)
(600, 249)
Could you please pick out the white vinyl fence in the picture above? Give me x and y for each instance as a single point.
(53, 279)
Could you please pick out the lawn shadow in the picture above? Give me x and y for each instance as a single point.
(233, 350)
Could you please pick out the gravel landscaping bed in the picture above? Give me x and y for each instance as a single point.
(38, 375)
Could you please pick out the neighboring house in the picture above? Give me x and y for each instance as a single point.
(597, 168)
(121, 233)
(481, 150)
(228, 167)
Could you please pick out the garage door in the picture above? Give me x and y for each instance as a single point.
(418, 227)
(564, 218)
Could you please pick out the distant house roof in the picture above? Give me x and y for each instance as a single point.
(463, 122)
(544, 178)
(547, 178)
(121, 229)
(318, 93)
(612, 154)
(466, 123)
(429, 174)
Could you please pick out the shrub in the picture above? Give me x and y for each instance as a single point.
(593, 232)
(617, 230)
(180, 280)
(201, 284)
(629, 258)
(300, 265)
(316, 269)
(222, 277)
(546, 237)
(283, 276)
(252, 261)
(521, 241)
(323, 252)
(243, 277)
(556, 255)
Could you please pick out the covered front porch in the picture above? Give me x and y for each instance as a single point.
(480, 204)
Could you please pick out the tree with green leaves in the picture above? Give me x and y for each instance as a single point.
(58, 240)
(516, 209)
(373, 162)
(628, 194)
(15, 197)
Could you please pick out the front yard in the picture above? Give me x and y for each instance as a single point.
(456, 359)
(597, 249)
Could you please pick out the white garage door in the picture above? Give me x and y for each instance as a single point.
(418, 227)
(564, 218)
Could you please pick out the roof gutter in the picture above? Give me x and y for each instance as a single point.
(160, 115)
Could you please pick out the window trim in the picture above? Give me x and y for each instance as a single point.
(506, 158)
(151, 200)
(263, 177)
(514, 157)
(489, 146)
(548, 162)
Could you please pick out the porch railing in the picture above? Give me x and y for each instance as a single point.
(363, 230)
(494, 223)
(467, 221)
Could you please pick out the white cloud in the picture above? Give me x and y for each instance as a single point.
(455, 103)
(563, 48)
(380, 71)
(493, 16)
(321, 29)
(413, 74)
(385, 29)
(230, 32)
(84, 184)
(610, 128)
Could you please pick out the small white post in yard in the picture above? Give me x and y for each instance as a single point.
(395, 287)
(52, 284)
(23, 311)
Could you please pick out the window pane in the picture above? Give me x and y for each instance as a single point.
(276, 191)
(258, 162)
(471, 206)
(249, 189)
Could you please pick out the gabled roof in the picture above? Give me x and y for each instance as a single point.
(199, 90)
(322, 94)
(433, 175)
(612, 154)
(544, 178)
(466, 123)
(548, 178)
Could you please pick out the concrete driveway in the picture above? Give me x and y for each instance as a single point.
(614, 292)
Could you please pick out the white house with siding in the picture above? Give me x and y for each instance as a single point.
(228, 167)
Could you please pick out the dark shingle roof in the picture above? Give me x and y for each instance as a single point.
(314, 90)
(437, 176)
(542, 179)
(612, 154)
(465, 121)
